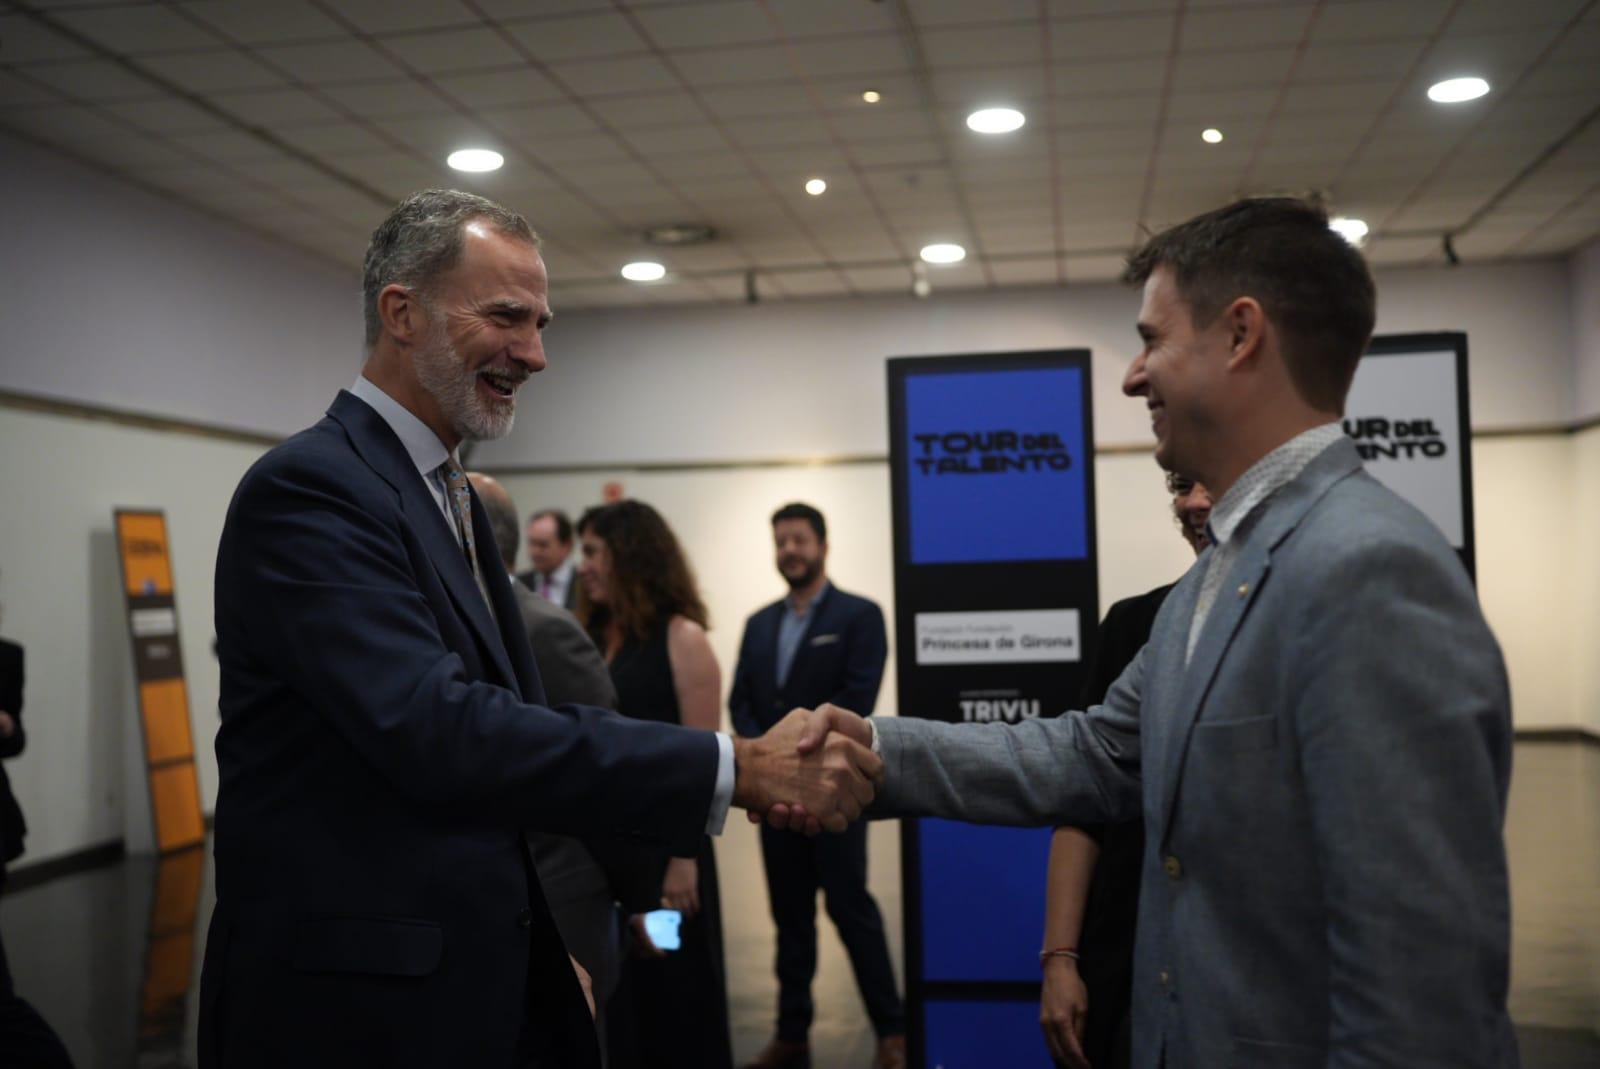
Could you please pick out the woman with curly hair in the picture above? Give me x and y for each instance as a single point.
(639, 602)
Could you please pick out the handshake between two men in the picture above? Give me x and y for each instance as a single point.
(813, 771)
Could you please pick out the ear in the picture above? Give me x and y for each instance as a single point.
(401, 313)
(1247, 331)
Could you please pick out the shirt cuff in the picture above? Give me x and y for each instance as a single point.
(877, 747)
(722, 796)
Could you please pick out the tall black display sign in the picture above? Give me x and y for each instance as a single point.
(996, 599)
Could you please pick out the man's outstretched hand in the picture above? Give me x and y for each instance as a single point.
(826, 725)
(812, 771)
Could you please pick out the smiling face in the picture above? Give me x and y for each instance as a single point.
(800, 553)
(1191, 505)
(482, 335)
(1180, 373)
(594, 569)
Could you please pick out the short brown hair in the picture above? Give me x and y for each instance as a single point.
(1312, 283)
(651, 581)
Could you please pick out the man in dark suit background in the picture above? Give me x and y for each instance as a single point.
(24, 1035)
(552, 565)
(385, 736)
(576, 885)
(819, 644)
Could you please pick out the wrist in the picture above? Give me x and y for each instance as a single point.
(1058, 956)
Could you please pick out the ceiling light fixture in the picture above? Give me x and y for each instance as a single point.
(871, 96)
(943, 254)
(475, 160)
(996, 120)
(1352, 230)
(644, 271)
(1457, 90)
(816, 187)
(1211, 136)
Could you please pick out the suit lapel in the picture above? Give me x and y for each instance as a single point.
(1234, 598)
(1259, 535)
(382, 450)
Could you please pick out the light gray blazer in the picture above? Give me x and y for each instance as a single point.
(1323, 788)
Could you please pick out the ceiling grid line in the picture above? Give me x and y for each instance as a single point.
(1500, 99)
(1247, 180)
(739, 149)
(1141, 226)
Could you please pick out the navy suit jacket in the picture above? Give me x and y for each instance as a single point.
(840, 660)
(383, 746)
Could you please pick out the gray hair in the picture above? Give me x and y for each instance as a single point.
(421, 240)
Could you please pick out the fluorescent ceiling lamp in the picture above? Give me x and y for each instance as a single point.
(475, 159)
(1352, 230)
(816, 187)
(996, 120)
(1456, 90)
(943, 254)
(644, 271)
(1211, 136)
(871, 96)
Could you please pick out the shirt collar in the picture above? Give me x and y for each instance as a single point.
(1267, 476)
(421, 444)
(822, 592)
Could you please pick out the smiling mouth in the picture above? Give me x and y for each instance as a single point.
(501, 385)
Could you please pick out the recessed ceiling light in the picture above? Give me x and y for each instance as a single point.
(644, 271)
(871, 96)
(816, 187)
(1211, 136)
(475, 159)
(1352, 230)
(996, 120)
(1456, 90)
(943, 254)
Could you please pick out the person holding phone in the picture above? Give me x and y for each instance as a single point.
(639, 602)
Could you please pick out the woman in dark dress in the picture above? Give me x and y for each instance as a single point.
(639, 602)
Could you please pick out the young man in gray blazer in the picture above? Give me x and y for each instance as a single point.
(1318, 733)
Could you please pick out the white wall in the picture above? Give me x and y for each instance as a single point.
(120, 298)
(60, 587)
(1582, 590)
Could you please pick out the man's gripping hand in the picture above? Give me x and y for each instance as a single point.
(826, 725)
(824, 773)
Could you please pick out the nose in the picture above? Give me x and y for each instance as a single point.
(1136, 383)
(529, 351)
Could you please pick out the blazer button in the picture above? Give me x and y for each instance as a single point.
(1165, 977)
(525, 919)
(1172, 866)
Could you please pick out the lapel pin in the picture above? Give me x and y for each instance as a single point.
(1244, 589)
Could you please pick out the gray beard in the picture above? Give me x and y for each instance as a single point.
(442, 374)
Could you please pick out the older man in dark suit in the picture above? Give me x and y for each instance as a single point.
(820, 644)
(385, 734)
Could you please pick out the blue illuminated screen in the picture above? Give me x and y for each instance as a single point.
(996, 466)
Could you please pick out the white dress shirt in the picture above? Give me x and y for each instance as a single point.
(1263, 479)
(428, 453)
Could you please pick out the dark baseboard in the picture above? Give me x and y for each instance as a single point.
(1557, 735)
(21, 877)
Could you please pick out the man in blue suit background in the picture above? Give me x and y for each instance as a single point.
(384, 738)
(817, 645)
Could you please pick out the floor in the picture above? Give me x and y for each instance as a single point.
(109, 956)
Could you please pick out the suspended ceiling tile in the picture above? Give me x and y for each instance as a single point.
(605, 76)
(330, 62)
(574, 37)
(254, 23)
(699, 26)
(452, 51)
(28, 40)
(386, 16)
(509, 87)
(136, 30)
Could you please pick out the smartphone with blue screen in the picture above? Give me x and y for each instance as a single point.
(662, 927)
